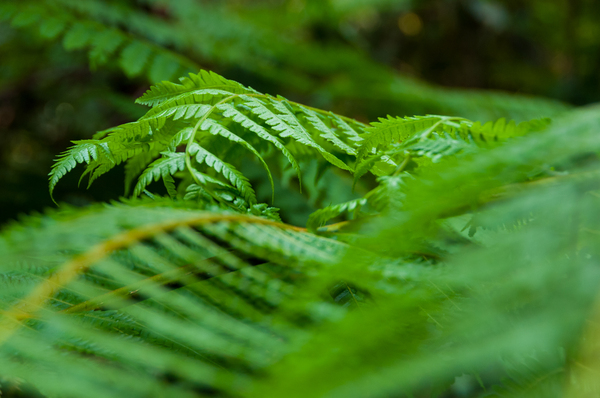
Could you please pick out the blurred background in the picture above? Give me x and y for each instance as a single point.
(70, 68)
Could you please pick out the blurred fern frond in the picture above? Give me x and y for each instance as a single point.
(198, 289)
(141, 41)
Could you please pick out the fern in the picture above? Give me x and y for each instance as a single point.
(80, 153)
(441, 146)
(164, 167)
(236, 178)
(104, 42)
(212, 105)
(434, 137)
(207, 292)
(205, 80)
(321, 216)
(390, 130)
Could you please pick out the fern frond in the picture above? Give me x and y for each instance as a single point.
(345, 128)
(215, 128)
(287, 125)
(502, 130)
(233, 175)
(83, 151)
(220, 107)
(203, 81)
(433, 137)
(135, 166)
(390, 130)
(171, 287)
(441, 145)
(169, 164)
(321, 216)
(230, 111)
(103, 40)
(390, 193)
(326, 132)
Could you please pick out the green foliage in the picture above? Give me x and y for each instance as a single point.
(104, 42)
(203, 113)
(139, 42)
(465, 262)
(459, 267)
(321, 216)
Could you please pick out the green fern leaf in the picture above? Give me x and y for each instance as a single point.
(134, 58)
(83, 151)
(170, 186)
(321, 216)
(236, 178)
(326, 132)
(169, 164)
(104, 45)
(216, 129)
(501, 130)
(79, 35)
(288, 126)
(205, 179)
(180, 109)
(135, 166)
(203, 80)
(438, 146)
(347, 130)
(140, 251)
(229, 111)
(216, 105)
(390, 193)
(394, 129)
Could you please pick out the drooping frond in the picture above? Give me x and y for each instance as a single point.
(236, 178)
(245, 121)
(280, 116)
(83, 151)
(206, 105)
(215, 128)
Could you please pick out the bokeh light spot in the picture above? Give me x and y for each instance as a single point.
(410, 24)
